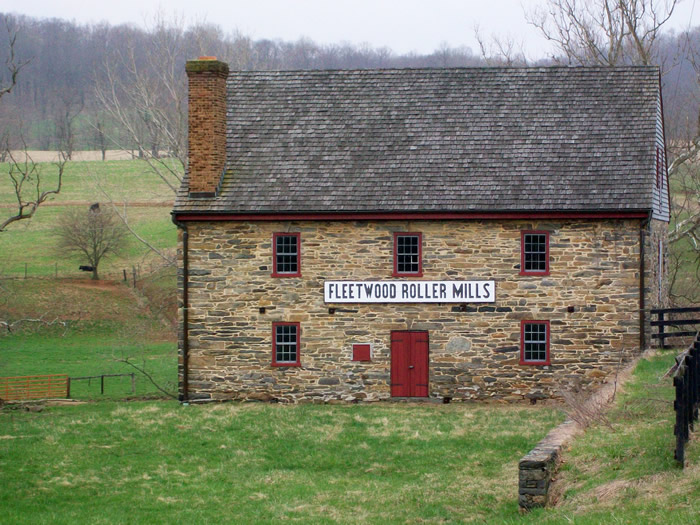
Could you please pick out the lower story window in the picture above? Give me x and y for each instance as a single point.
(285, 344)
(534, 343)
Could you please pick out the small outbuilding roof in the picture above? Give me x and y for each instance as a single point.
(438, 140)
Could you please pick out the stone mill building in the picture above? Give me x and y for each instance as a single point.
(478, 233)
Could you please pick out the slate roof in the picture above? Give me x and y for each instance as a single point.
(432, 140)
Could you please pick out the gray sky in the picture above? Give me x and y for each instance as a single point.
(401, 25)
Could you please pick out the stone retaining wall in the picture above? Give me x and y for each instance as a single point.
(538, 467)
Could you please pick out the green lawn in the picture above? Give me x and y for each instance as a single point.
(159, 462)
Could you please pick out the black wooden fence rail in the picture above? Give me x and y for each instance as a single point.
(686, 380)
(663, 321)
(101, 377)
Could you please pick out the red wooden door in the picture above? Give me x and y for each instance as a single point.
(409, 364)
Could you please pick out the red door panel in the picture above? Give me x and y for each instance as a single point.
(419, 361)
(400, 345)
(409, 364)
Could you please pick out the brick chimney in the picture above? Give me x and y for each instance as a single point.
(207, 125)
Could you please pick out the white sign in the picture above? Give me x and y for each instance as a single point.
(409, 291)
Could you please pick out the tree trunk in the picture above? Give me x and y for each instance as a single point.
(95, 277)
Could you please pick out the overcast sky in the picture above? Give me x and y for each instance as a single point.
(401, 25)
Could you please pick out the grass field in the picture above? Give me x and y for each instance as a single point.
(99, 327)
(32, 244)
(260, 463)
(233, 463)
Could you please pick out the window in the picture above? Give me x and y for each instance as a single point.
(534, 253)
(286, 255)
(285, 344)
(534, 342)
(408, 254)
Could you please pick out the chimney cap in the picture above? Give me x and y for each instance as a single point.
(205, 64)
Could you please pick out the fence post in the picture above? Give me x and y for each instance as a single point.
(68, 388)
(133, 271)
(661, 330)
(124, 270)
(679, 431)
(695, 375)
(133, 383)
(102, 384)
(690, 393)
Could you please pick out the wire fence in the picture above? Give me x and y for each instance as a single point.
(132, 274)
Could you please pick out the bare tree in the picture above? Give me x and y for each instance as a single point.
(603, 32)
(67, 111)
(500, 51)
(121, 209)
(95, 233)
(12, 63)
(25, 176)
(144, 92)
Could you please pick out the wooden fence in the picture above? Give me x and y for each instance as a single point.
(54, 386)
(686, 380)
(681, 317)
(34, 387)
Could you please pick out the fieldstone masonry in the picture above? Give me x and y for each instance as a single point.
(538, 467)
(591, 298)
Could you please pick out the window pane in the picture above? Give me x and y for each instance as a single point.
(408, 253)
(535, 252)
(286, 344)
(535, 342)
(287, 254)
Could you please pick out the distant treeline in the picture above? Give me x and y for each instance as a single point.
(55, 104)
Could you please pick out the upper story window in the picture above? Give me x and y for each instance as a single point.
(534, 253)
(408, 254)
(285, 344)
(286, 255)
(534, 343)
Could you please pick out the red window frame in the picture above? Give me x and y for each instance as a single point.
(276, 273)
(523, 271)
(523, 361)
(396, 272)
(274, 345)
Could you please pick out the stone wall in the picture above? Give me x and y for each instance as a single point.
(591, 299)
(538, 467)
